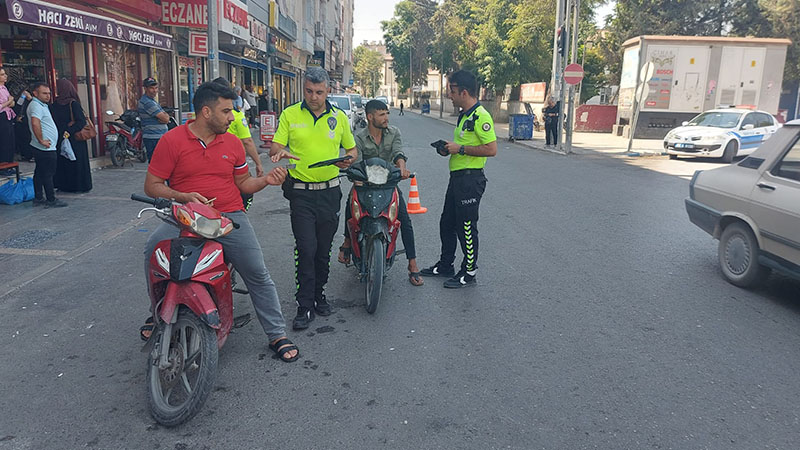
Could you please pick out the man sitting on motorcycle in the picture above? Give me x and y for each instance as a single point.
(381, 140)
(201, 162)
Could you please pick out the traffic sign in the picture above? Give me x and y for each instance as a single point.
(573, 74)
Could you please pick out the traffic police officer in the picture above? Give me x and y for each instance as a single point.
(241, 129)
(314, 131)
(474, 141)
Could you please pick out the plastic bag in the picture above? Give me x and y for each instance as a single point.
(245, 105)
(66, 150)
(9, 194)
(26, 186)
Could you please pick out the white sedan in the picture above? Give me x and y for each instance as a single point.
(721, 133)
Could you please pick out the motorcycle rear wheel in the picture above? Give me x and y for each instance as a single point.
(118, 154)
(178, 392)
(141, 153)
(376, 265)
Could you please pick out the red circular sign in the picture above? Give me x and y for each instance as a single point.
(573, 74)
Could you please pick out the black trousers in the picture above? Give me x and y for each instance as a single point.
(315, 219)
(459, 221)
(551, 132)
(43, 174)
(7, 141)
(406, 229)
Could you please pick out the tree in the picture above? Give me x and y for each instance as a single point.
(409, 34)
(783, 16)
(367, 64)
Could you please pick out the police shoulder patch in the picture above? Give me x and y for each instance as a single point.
(487, 126)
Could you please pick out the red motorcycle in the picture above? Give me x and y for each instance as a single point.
(191, 294)
(124, 138)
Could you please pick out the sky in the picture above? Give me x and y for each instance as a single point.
(368, 15)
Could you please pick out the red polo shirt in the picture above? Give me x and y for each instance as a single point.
(191, 166)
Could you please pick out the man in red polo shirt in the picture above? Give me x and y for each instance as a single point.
(202, 161)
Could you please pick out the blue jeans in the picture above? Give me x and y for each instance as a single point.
(150, 146)
(242, 249)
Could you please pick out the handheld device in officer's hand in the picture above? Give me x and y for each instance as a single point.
(441, 147)
(330, 162)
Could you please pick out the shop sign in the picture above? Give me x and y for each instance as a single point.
(532, 92)
(185, 13)
(47, 15)
(258, 34)
(198, 44)
(234, 19)
(189, 63)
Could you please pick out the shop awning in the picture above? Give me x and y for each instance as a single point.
(244, 62)
(282, 72)
(76, 18)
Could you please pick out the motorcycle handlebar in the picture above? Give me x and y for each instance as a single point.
(157, 202)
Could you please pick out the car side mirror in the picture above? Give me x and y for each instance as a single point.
(685, 123)
(748, 126)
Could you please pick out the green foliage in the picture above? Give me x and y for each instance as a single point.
(367, 68)
(409, 33)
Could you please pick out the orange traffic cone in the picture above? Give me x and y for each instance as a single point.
(414, 206)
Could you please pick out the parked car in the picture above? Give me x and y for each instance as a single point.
(753, 208)
(343, 102)
(358, 104)
(721, 133)
(383, 99)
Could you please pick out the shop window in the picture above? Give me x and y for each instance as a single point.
(23, 57)
(118, 75)
(63, 59)
(166, 95)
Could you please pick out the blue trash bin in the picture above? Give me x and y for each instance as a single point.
(426, 108)
(520, 126)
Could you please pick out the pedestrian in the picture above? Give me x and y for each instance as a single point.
(22, 132)
(551, 114)
(71, 176)
(252, 99)
(381, 140)
(474, 141)
(314, 130)
(239, 102)
(240, 129)
(7, 116)
(180, 170)
(44, 136)
(154, 118)
(401, 108)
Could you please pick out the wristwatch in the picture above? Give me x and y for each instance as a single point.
(461, 150)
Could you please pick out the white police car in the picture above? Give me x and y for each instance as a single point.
(721, 133)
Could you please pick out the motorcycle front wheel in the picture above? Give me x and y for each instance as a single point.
(375, 264)
(117, 154)
(178, 392)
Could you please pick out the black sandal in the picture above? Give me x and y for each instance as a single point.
(283, 346)
(345, 257)
(147, 329)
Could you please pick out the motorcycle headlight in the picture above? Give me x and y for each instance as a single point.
(210, 228)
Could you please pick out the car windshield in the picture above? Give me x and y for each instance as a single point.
(340, 102)
(716, 119)
(357, 100)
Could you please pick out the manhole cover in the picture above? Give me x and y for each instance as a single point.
(29, 239)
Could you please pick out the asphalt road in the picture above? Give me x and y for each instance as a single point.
(600, 320)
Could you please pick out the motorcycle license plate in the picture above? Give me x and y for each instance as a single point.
(112, 138)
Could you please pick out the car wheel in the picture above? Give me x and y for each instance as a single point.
(738, 256)
(730, 152)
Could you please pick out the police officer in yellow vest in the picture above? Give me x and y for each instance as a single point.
(314, 131)
(474, 141)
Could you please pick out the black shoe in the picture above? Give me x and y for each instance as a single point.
(303, 319)
(462, 279)
(39, 202)
(322, 307)
(55, 204)
(437, 270)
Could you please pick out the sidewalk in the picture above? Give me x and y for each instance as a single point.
(582, 143)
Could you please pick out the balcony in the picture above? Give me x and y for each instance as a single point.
(287, 26)
(307, 42)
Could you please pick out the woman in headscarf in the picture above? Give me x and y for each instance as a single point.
(71, 176)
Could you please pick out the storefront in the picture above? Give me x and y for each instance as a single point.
(51, 41)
